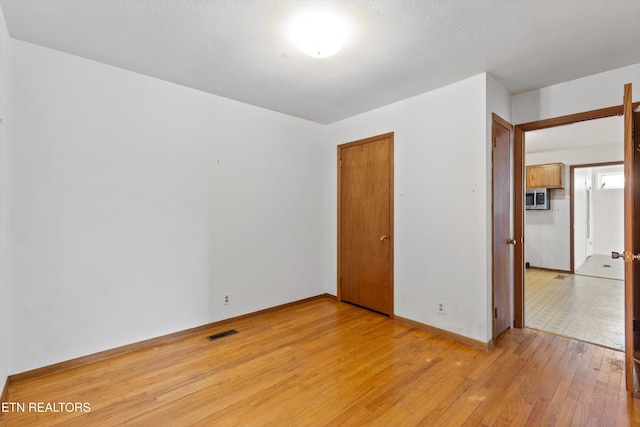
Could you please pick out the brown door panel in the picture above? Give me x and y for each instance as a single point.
(365, 223)
(503, 233)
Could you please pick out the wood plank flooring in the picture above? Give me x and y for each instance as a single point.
(326, 363)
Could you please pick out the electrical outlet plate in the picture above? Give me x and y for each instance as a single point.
(442, 307)
(226, 299)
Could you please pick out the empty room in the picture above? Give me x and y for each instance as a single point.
(257, 212)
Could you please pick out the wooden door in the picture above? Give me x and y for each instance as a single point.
(503, 240)
(365, 223)
(631, 239)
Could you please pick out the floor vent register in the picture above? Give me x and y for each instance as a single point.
(222, 334)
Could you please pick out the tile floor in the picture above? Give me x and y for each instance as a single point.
(602, 266)
(587, 308)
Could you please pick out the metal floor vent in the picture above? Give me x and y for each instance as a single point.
(222, 334)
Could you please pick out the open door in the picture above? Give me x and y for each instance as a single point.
(631, 243)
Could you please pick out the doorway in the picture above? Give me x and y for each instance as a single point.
(519, 176)
(365, 223)
(597, 219)
(631, 217)
(576, 231)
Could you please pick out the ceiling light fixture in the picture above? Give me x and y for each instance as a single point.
(319, 34)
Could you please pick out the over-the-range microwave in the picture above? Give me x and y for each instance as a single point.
(537, 198)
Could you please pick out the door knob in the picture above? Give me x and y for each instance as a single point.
(511, 241)
(384, 237)
(627, 256)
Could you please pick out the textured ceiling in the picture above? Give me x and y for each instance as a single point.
(399, 48)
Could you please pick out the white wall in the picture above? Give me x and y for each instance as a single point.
(547, 233)
(442, 214)
(138, 203)
(4, 204)
(581, 245)
(576, 96)
(608, 215)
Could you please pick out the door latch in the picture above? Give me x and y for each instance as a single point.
(626, 256)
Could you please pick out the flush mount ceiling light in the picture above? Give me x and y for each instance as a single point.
(319, 33)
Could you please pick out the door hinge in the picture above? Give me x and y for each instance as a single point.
(340, 162)
(495, 141)
(495, 312)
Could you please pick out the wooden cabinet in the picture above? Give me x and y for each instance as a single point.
(545, 176)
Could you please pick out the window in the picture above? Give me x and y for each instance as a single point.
(611, 181)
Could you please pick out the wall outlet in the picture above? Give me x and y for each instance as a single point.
(442, 307)
(226, 299)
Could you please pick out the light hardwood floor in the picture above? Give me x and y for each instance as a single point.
(326, 363)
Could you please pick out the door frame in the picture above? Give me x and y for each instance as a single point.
(572, 261)
(519, 179)
(391, 241)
